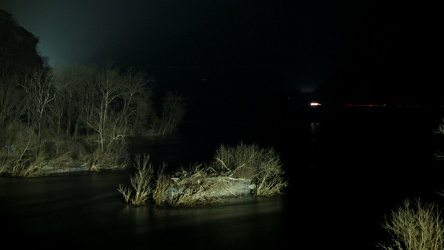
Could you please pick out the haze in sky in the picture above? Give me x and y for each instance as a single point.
(299, 44)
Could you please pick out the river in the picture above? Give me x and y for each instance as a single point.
(345, 173)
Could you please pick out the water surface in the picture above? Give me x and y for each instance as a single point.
(344, 175)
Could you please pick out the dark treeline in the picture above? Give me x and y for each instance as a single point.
(18, 51)
(81, 115)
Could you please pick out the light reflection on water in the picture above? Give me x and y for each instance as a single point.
(148, 218)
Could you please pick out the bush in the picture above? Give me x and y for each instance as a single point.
(141, 182)
(236, 171)
(260, 165)
(415, 227)
(23, 154)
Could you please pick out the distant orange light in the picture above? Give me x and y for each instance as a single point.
(315, 104)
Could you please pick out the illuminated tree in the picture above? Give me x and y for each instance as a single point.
(134, 101)
(77, 88)
(108, 89)
(40, 93)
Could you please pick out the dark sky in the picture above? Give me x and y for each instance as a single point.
(296, 45)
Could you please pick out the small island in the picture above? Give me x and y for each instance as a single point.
(235, 171)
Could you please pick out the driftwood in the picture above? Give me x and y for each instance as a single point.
(202, 187)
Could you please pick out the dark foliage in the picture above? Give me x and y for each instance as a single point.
(18, 47)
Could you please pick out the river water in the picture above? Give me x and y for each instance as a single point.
(345, 171)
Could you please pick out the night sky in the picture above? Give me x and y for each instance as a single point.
(390, 51)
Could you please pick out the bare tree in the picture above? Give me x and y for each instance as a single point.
(109, 87)
(41, 92)
(134, 84)
(78, 96)
(173, 110)
(58, 108)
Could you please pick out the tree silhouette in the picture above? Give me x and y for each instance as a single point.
(18, 51)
